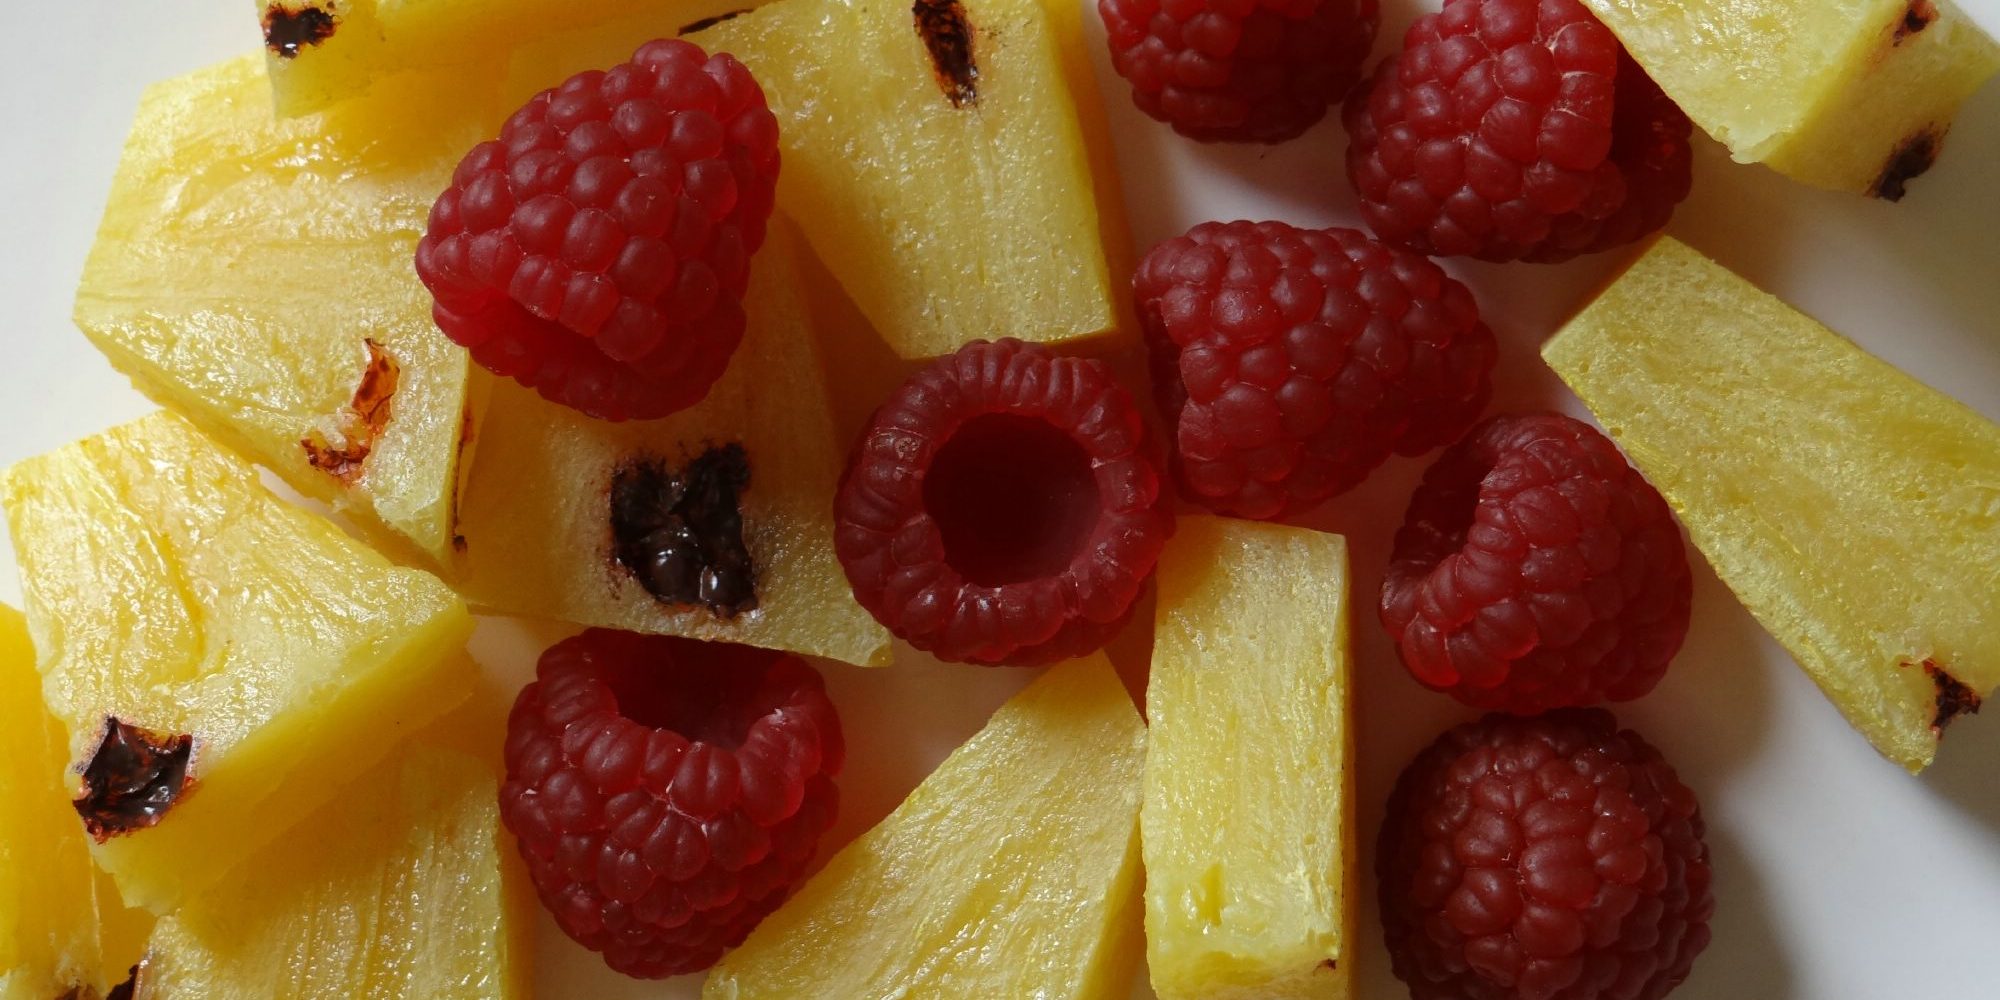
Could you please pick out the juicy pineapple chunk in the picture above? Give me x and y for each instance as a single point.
(256, 277)
(237, 659)
(538, 519)
(1249, 812)
(48, 907)
(405, 891)
(1012, 871)
(1853, 95)
(1855, 510)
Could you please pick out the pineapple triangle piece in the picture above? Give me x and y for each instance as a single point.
(541, 522)
(1854, 510)
(235, 658)
(1249, 816)
(255, 276)
(1012, 871)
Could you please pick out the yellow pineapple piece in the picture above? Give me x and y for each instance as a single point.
(1854, 510)
(256, 276)
(1249, 816)
(404, 890)
(237, 659)
(541, 537)
(1853, 95)
(1012, 871)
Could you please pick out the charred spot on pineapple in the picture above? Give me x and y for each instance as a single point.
(680, 534)
(361, 422)
(1954, 698)
(709, 22)
(126, 989)
(1912, 160)
(135, 776)
(291, 28)
(947, 34)
(1920, 15)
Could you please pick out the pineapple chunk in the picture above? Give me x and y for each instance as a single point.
(406, 891)
(1854, 95)
(48, 908)
(1249, 813)
(1012, 871)
(256, 276)
(952, 202)
(236, 658)
(1855, 510)
(540, 537)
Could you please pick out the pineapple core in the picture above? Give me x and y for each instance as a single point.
(1853, 95)
(1012, 871)
(1249, 811)
(222, 662)
(1854, 510)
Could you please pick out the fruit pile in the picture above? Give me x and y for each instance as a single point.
(740, 339)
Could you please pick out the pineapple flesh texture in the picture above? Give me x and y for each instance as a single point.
(1249, 811)
(255, 276)
(405, 892)
(1012, 871)
(1854, 510)
(169, 590)
(1853, 95)
(48, 908)
(536, 518)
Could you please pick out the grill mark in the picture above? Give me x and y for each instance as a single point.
(948, 34)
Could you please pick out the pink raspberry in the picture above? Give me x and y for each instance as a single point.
(598, 250)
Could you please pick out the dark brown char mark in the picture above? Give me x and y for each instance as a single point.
(706, 23)
(361, 422)
(947, 34)
(1920, 15)
(291, 28)
(1954, 698)
(1911, 160)
(132, 780)
(680, 533)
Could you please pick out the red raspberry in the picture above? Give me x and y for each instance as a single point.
(1515, 130)
(1239, 70)
(1003, 507)
(666, 793)
(1554, 858)
(1291, 362)
(598, 250)
(1536, 570)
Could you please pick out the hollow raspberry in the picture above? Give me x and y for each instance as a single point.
(1239, 70)
(1553, 858)
(1536, 570)
(1515, 130)
(598, 250)
(1291, 362)
(666, 793)
(1003, 507)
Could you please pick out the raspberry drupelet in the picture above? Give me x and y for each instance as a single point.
(1239, 70)
(1553, 858)
(1290, 363)
(1004, 506)
(666, 793)
(1515, 130)
(1536, 570)
(598, 250)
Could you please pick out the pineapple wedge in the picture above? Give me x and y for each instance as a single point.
(1854, 510)
(408, 892)
(255, 276)
(223, 662)
(1854, 95)
(1012, 871)
(953, 202)
(48, 907)
(542, 539)
(1249, 815)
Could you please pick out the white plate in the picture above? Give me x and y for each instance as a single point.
(1838, 876)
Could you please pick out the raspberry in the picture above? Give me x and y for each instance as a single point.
(1515, 130)
(1536, 570)
(1553, 858)
(598, 250)
(1239, 70)
(666, 793)
(1003, 506)
(1292, 362)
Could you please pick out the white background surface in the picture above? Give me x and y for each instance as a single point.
(1839, 877)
